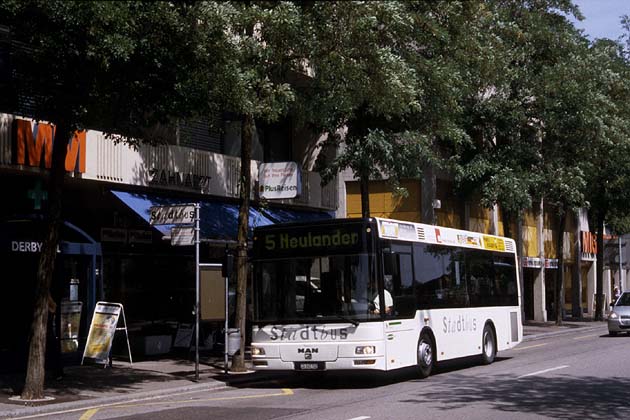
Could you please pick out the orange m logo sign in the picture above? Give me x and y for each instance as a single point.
(33, 143)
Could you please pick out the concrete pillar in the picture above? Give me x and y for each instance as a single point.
(591, 280)
(576, 278)
(494, 220)
(607, 290)
(540, 306)
(540, 311)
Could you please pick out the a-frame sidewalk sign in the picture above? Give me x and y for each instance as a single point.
(102, 329)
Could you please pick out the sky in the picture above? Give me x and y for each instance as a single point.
(602, 17)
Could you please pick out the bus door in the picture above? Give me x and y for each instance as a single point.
(401, 331)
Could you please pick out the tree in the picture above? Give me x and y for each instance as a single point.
(527, 119)
(607, 169)
(258, 85)
(122, 67)
(384, 86)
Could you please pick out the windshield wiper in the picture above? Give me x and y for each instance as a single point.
(350, 320)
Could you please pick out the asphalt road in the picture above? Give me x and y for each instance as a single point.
(583, 374)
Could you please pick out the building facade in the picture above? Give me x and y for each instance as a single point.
(432, 200)
(108, 249)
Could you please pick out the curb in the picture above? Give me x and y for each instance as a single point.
(78, 405)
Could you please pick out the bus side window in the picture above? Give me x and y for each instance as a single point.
(404, 300)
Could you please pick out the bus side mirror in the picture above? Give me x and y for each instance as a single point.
(227, 264)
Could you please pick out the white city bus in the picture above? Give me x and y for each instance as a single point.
(381, 294)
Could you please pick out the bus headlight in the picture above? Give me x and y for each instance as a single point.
(258, 351)
(365, 350)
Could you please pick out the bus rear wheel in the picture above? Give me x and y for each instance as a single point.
(488, 345)
(426, 355)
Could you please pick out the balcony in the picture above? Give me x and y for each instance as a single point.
(169, 167)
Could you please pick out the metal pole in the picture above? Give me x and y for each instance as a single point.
(197, 305)
(226, 324)
(620, 265)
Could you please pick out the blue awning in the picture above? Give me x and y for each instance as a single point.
(219, 220)
(279, 215)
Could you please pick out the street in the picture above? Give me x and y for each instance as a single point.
(581, 374)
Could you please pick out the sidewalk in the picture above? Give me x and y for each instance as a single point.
(536, 330)
(89, 385)
(86, 386)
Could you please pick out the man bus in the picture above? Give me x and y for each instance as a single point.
(319, 289)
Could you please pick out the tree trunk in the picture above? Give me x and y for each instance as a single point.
(558, 298)
(35, 371)
(599, 297)
(365, 196)
(238, 361)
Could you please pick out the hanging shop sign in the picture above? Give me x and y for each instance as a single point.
(279, 180)
(172, 215)
(182, 236)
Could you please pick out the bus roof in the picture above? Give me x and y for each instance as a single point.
(418, 232)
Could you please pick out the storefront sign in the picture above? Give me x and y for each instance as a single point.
(279, 180)
(139, 236)
(28, 246)
(102, 329)
(164, 177)
(114, 235)
(532, 262)
(172, 215)
(551, 263)
(589, 245)
(34, 140)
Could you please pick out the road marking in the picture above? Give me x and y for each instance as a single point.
(586, 336)
(543, 371)
(285, 392)
(530, 347)
(360, 418)
(88, 414)
(91, 411)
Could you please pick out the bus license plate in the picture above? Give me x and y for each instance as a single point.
(309, 366)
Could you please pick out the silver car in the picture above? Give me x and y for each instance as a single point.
(619, 317)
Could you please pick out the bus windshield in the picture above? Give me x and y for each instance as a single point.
(315, 289)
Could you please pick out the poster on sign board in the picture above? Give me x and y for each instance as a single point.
(102, 330)
(279, 180)
(70, 323)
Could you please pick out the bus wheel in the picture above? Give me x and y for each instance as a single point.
(488, 345)
(426, 355)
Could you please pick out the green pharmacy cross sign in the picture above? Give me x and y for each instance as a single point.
(38, 195)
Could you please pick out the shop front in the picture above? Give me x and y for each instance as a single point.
(109, 251)
(75, 286)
